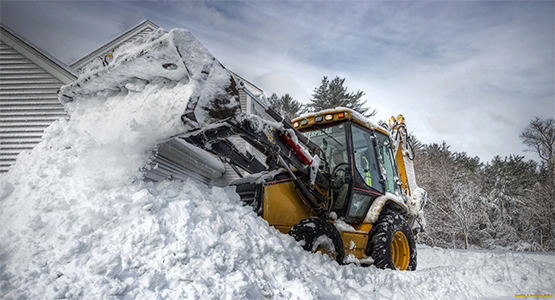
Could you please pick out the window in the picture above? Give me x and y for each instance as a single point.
(331, 141)
(333, 145)
(254, 109)
(365, 158)
(388, 161)
(359, 207)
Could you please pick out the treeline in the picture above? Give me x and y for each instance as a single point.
(508, 203)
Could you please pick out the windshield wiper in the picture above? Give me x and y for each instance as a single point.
(320, 128)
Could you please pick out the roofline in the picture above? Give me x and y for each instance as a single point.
(259, 90)
(38, 56)
(112, 44)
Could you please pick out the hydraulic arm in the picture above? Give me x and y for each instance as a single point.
(281, 144)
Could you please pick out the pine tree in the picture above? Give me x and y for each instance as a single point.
(507, 184)
(286, 105)
(274, 102)
(332, 94)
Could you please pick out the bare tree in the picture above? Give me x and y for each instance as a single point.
(539, 136)
(454, 211)
(461, 210)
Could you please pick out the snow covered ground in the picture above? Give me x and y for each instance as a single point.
(77, 222)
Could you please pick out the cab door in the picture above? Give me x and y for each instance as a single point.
(368, 182)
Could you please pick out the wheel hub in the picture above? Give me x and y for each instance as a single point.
(400, 252)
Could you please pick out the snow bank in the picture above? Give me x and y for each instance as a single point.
(77, 222)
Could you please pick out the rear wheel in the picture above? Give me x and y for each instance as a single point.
(319, 235)
(391, 243)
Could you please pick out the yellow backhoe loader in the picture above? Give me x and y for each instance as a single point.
(335, 181)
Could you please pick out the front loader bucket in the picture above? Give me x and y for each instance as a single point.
(175, 56)
(215, 97)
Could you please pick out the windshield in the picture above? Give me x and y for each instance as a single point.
(332, 143)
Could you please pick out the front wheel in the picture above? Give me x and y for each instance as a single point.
(319, 235)
(391, 243)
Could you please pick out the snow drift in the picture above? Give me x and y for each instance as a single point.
(77, 222)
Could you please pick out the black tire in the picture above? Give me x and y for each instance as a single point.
(314, 234)
(387, 252)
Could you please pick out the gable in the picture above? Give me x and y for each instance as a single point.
(140, 30)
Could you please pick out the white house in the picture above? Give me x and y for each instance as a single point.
(30, 79)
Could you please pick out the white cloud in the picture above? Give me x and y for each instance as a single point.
(281, 83)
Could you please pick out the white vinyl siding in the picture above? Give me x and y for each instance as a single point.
(243, 99)
(28, 104)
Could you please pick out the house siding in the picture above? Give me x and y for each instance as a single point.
(243, 100)
(28, 104)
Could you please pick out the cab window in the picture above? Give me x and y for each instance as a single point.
(332, 142)
(365, 158)
(388, 161)
(333, 145)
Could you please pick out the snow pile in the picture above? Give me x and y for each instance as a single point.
(77, 222)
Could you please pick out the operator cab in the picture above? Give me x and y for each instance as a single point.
(358, 157)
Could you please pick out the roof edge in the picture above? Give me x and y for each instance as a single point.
(112, 44)
(258, 91)
(38, 56)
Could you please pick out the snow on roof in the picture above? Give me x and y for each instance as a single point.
(358, 116)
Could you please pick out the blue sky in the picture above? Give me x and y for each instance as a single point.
(471, 73)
